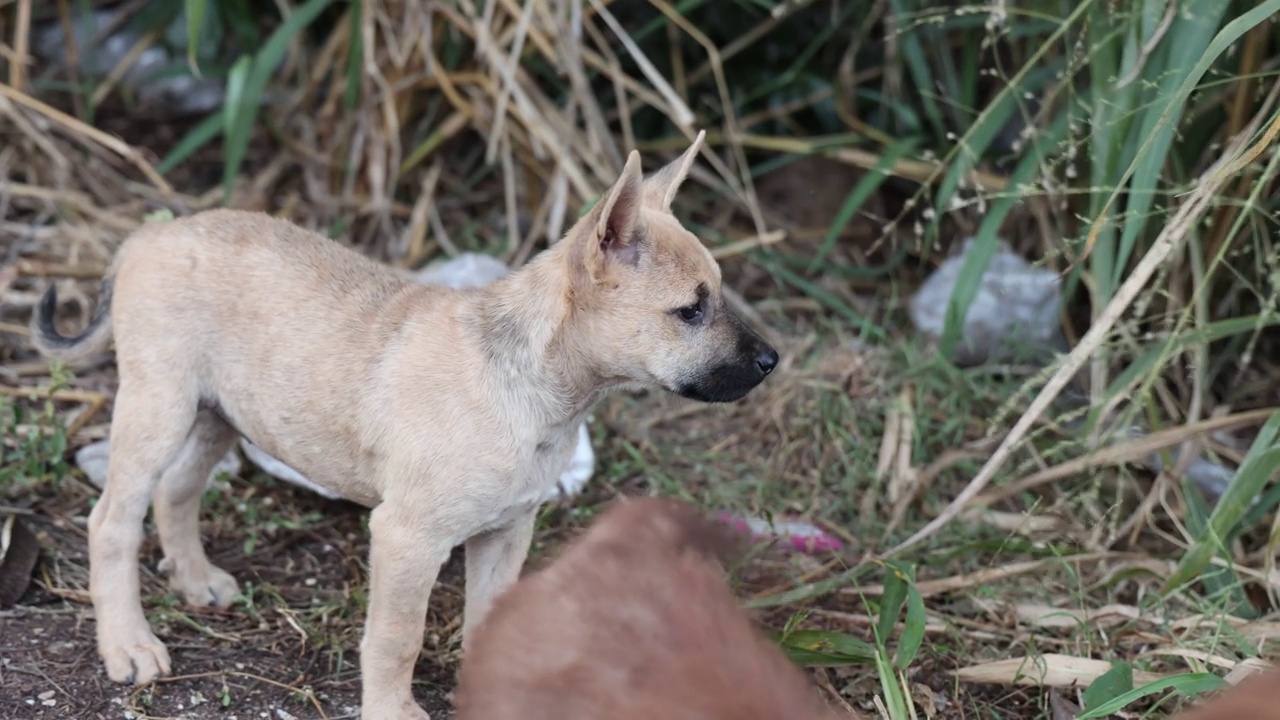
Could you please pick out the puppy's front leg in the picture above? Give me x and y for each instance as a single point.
(405, 556)
(494, 559)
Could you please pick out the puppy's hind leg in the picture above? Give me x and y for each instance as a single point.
(175, 504)
(148, 427)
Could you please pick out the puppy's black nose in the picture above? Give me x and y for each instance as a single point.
(767, 360)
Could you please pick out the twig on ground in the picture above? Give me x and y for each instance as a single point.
(90, 133)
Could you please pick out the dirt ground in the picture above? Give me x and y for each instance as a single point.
(286, 654)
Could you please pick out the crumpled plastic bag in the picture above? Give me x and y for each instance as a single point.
(1014, 313)
(92, 461)
(795, 534)
(467, 270)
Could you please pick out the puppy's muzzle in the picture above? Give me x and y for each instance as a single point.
(751, 362)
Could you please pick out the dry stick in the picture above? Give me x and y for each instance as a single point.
(744, 41)
(509, 195)
(1127, 452)
(985, 576)
(39, 137)
(82, 420)
(126, 64)
(22, 32)
(747, 244)
(1149, 47)
(75, 126)
(72, 54)
(921, 171)
(41, 269)
(86, 396)
(415, 233)
(681, 114)
(533, 120)
(1165, 243)
(599, 137)
(507, 78)
(731, 124)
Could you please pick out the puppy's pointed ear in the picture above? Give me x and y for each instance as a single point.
(660, 188)
(618, 214)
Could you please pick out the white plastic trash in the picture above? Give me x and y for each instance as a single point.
(1016, 308)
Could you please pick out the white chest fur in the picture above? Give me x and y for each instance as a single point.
(538, 475)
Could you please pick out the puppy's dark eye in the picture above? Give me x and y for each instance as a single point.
(691, 313)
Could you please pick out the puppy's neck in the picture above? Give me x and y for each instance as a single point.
(523, 323)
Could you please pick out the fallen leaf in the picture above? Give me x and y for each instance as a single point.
(1046, 616)
(1048, 670)
(1060, 708)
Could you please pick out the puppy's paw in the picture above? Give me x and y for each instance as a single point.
(135, 659)
(201, 584)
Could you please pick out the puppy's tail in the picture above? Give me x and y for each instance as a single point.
(91, 340)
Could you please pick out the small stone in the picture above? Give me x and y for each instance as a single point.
(1015, 310)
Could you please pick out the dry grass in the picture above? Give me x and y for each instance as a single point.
(481, 127)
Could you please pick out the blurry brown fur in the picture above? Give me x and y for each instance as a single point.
(634, 621)
(1257, 697)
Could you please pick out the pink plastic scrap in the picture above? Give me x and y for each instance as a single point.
(801, 535)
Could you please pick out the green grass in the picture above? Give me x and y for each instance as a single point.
(33, 439)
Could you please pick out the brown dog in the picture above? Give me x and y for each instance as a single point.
(635, 621)
(449, 412)
(1256, 697)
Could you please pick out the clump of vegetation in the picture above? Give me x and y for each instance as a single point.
(34, 444)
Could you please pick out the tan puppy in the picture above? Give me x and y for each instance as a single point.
(449, 412)
(635, 621)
